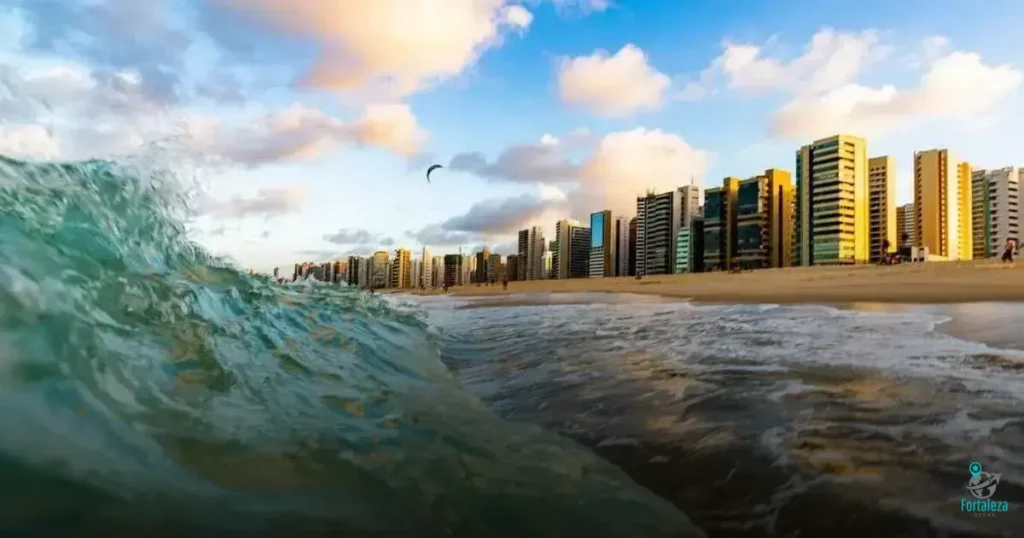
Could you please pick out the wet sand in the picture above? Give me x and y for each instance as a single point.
(923, 283)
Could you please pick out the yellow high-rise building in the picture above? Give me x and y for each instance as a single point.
(832, 224)
(966, 210)
(882, 206)
(401, 269)
(942, 204)
(380, 270)
(751, 221)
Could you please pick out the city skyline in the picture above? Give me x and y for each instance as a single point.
(881, 222)
(310, 134)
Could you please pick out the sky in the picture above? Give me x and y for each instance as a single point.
(310, 123)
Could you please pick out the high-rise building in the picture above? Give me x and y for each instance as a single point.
(882, 206)
(765, 207)
(905, 225)
(683, 254)
(438, 271)
(571, 257)
(276, 274)
(981, 220)
(426, 279)
(365, 272)
(452, 270)
(690, 204)
(632, 263)
(696, 261)
(963, 179)
(480, 267)
(942, 211)
(658, 217)
(522, 253)
(720, 224)
(531, 248)
(466, 270)
(380, 269)
(751, 221)
(547, 265)
(512, 267)
(493, 268)
(1000, 221)
(354, 270)
(416, 271)
(621, 240)
(401, 269)
(579, 252)
(832, 224)
(602, 245)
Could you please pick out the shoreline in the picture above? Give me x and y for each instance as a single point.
(909, 284)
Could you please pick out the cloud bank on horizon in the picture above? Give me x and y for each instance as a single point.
(321, 115)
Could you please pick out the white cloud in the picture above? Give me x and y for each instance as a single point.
(613, 85)
(390, 126)
(358, 237)
(831, 59)
(500, 216)
(85, 113)
(628, 163)
(826, 97)
(300, 132)
(518, 16)
(350, 236)
(616, 169)
(584, 6)
(527, 163)
(407, 44)
(28, 142)
(934, 47)
(265, 202)
(295, 133)
(958, 85)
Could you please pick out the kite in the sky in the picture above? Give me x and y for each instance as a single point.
(431, 169)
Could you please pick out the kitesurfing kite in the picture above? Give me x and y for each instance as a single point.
(431, 169)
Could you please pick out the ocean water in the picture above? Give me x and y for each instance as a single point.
(148, 388)
(763, 420)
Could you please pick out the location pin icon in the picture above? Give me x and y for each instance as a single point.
(975, 468)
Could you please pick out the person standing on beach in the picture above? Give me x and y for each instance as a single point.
(1008, 252)
(504, 284)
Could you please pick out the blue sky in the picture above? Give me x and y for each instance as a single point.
(312, 123)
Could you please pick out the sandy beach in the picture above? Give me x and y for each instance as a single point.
(936, 282)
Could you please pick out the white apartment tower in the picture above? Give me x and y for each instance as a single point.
(658, 219)
(426, 279)
(1001, 208)
(531, 248)
(690, 204)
